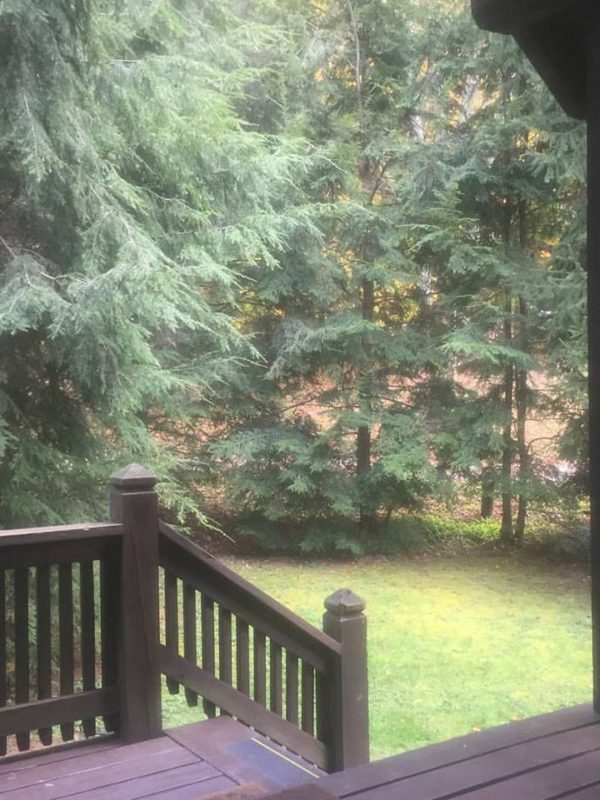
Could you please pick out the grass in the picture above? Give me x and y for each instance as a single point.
(455, 644)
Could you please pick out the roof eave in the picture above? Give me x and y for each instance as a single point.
(510, 16)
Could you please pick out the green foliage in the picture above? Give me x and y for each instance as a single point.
(443, 218)
(292, 257)
(132, 195)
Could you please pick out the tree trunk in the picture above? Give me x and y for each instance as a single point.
(521, 394)
(521, 397)
(488, 488)
(506, 529)
(368, 517)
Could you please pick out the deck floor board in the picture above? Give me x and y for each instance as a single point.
(106, 762)
(196, 791)
(551, 781)
(591, 792)
(196, 761)
(111, 774)
(462, 749)
(545, 758)
(156, 783)
(552, 757)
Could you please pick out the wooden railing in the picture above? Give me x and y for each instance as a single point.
(57, 642)
(84, 638)
(248, 656)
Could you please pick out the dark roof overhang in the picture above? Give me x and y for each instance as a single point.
(552, 34)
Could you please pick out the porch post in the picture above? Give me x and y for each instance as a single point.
(133, 503)
(593, 115)
(344, 620)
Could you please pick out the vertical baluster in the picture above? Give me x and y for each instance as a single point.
(44, 651)
(291, 687)
(189, 635)
(243, 656)
(65, 627)
(21, 593)
(260, 667)
(88, 636)
(322, 703)
(276, 679)
(308, 698)
(110, 587)
(2, 651)
(171, 623)
(225, 649)
(208, 646)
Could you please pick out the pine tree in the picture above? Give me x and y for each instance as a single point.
(412, 327)
(519, 197)
(132, 195)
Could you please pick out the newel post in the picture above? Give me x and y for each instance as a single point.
(133, 503)
(345, 621)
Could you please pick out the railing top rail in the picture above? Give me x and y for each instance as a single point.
(59, 533)
(255, 599)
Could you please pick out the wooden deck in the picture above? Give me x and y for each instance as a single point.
(219, 758)
(545, 758)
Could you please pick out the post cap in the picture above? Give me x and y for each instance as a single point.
(134, 476)
(344, 603)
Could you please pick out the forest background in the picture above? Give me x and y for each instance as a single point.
(319, 264)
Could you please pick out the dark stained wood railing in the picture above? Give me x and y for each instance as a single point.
(53, 658)
(83, 645)
(248, 656)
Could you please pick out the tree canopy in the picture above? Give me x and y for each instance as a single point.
(322, 261)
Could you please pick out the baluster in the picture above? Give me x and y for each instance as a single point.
(243, 656)
(291, 687)
(276, 679)
(21, 593)
(225, 649)
(171, 623)
(88, 636)
(308, 698)
(260, 667)
(189, 635)
(110, 587)
(65, 626)
(322, 704)
(44, 651)
(2, 651)
(208, 646)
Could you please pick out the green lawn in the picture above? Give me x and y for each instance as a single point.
(455, 645)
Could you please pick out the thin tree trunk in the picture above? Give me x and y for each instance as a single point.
(368, 515)
(488, 489)
(506, 529)
(521, 404)
(521, 393)
(368, 519)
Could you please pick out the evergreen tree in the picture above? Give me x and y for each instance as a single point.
(521, 196)
(399, 348)
(131, 197)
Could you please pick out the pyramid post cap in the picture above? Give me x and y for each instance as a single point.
(134, 476)
(345, 603)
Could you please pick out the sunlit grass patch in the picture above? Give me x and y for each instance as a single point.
(455, 645)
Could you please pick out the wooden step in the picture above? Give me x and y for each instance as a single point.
(244, 755)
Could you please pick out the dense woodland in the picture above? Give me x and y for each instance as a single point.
(315, 262)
